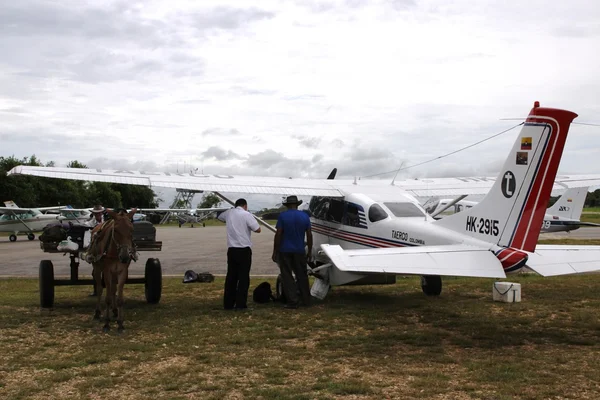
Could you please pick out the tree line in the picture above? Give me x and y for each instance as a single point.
(33, 191)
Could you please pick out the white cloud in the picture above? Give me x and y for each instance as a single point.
(293, 88)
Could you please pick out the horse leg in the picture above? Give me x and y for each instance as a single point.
(115, 285)
(109, 301)
(122, 274)
(97, 275)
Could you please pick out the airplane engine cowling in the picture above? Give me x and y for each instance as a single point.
(511, 259)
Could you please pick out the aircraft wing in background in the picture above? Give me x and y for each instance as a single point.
(309, 187)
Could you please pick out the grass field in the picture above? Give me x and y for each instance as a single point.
(368, 342)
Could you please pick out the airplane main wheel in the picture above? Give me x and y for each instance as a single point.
(46, 284)
(153, 285)
(279, 295)
(12, 238)
(431, 285)
(30, 236)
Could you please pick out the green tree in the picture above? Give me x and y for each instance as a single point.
(25, 191)
(209, 200)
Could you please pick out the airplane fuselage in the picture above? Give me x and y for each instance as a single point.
(357, 221)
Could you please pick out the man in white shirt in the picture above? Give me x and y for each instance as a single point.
(240, 224)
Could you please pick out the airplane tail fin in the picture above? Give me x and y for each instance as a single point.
(10, 204)
(512, 213)
(570, 204)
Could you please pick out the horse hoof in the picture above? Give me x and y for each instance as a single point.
(105, 328)
(120, 329)
(97, 316)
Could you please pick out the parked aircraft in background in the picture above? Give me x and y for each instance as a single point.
(16, 219)
(563, 216)
(186, 215)
(366, 231)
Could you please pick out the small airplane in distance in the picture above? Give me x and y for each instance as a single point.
(369, 231)
(16, 219)
(186, 215)
(563, 216)
(82, 215)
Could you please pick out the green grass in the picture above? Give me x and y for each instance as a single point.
(361, 342)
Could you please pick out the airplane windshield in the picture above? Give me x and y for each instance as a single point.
(404, 209)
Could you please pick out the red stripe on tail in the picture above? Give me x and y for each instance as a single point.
(529, 226)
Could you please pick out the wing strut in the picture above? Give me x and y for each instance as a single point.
(260, 220)
(21, 221)
(450, 204)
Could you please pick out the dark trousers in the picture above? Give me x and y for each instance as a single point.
(294, 263)
(237, 281)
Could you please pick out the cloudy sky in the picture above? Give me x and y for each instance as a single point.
(293, 88)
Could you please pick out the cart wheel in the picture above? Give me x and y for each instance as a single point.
(153, 284)
(12, 238)
(279, 295)
(46, 284)
(30, 236)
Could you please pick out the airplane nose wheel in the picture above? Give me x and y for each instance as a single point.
(431, 285)
(30, 236)
(12, 238)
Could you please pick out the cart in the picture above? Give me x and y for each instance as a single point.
(152, 276)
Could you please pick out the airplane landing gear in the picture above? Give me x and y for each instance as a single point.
(30, 236)
(431, 285)
(12, 238)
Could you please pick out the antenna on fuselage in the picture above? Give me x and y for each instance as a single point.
(399, 169)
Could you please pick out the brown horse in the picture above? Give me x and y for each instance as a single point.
(114, 250)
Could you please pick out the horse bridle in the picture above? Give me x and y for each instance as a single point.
(132, 249)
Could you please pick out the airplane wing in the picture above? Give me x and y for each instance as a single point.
(451, 260)
(308, 187)
(552, 260)
(17, 210)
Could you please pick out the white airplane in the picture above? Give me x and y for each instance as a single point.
(187, 215)
(368, 230)
(16, 219)
(563, 216)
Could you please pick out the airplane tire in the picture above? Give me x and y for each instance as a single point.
(279, 295)
(46, 282)
(30, 236)
(153, 284)
(431, 285)
(12, 238)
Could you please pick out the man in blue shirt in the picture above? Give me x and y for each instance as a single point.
(289, 253)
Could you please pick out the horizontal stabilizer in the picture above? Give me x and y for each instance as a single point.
(551, 260)
(452, 260)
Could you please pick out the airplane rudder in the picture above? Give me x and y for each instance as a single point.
(554, 124)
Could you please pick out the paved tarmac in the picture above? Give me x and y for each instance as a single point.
(199, 249)
(581, 233)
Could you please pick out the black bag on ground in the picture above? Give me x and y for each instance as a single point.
(144, 231)
(206, 277)
(262, 293)
(53, 233)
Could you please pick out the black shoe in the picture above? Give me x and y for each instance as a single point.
(243, 309)
(291, 306)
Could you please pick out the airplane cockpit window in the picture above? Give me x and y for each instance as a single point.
(405, 209)
(319, 207)
(351, 217)
(336, 211)
(376, 213)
